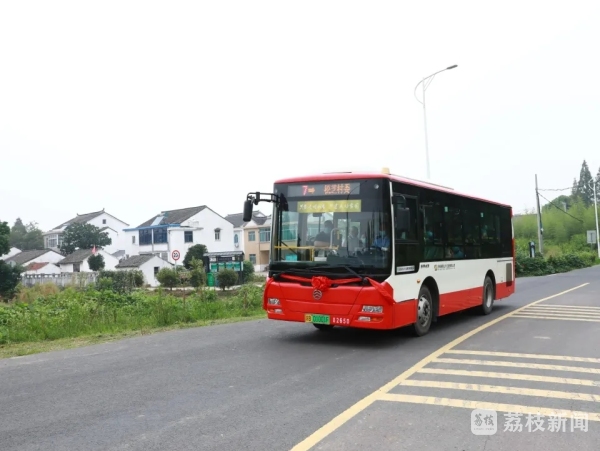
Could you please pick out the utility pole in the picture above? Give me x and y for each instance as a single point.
(596, 215)
(539, 217)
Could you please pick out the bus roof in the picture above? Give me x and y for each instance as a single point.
(373, 175)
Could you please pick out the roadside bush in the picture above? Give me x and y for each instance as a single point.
(197, 274)
(168, 277)
(540, 266)
(248, 271)
(227, 278)
(121, 281)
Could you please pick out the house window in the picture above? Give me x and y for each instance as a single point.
(76, 267)
(160, 235)
(252, 236)
(104, 221)
(156, 269)
(145, 237)
(217, 234)
(236, 239)
(133, 239)
(52, 241)
(265, 235)
(188, 236)
(253, 259)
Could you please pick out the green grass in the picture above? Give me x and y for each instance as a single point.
(44, 320)
(28, 348)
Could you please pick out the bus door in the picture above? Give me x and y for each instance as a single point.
(407, 247)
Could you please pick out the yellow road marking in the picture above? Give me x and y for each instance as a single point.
(552, 312)
(557, 394)
(526, 356)
(569, 307)
(574, 314)
(558, 318)
(513, 376)
(539, 366)
(358, 407)
(509, 408)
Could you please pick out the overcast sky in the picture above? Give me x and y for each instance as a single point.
(138, 107)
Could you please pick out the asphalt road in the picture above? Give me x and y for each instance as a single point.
(266, 385)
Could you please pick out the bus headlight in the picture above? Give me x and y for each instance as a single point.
(372, 308)
(273, 301)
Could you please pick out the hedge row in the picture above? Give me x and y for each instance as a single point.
(540, 266)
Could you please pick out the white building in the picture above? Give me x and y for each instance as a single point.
(78, 261)
(178, 230)
(101, 219)
(36, 256)
(149, 265)
(238, 230)
(41, 268)
(12, 252)
(253, 238)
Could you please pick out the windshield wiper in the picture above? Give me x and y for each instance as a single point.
(324, 268)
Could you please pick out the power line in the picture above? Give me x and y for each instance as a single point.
(560, 209)
(556, 189)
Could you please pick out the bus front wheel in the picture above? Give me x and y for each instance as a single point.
(424, 312)
(488, 296)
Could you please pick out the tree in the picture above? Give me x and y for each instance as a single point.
(198, 275)
(4, 238)
(227, 278)
(10, 276)
(197, 251)
(17, 234)
(83, 236)
(584, 187)
(168, 277)
(26, 237)
(96, 262)
(248, 271)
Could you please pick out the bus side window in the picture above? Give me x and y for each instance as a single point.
(454, 225)
(433, 232)
(490, 233)
(472, 233)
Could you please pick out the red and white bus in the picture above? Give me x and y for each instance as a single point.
(379, 251)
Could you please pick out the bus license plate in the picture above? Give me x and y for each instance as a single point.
(317, 319)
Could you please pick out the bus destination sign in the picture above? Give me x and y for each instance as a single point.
(324, 189)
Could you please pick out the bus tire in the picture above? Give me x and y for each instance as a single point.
(487, 303)
(323, 327)
(424, 312)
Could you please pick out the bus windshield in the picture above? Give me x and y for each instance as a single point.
(336, 223)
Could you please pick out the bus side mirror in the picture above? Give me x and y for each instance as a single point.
(247, 210)
(402, 218)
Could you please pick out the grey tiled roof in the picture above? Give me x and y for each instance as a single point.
(237, 219)
(23, 257)
(76, 257)
(174, 216)
(135, 262)
(80, 219)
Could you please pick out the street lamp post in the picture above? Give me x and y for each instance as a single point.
(593, 183)
(425, 86)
